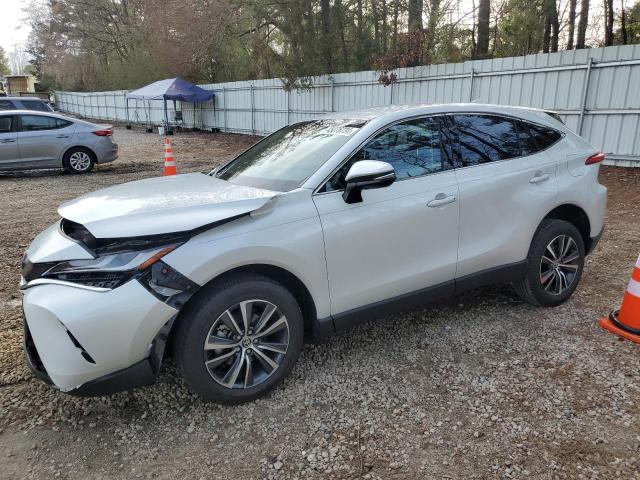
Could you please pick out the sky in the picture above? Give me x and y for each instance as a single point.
(12, 28)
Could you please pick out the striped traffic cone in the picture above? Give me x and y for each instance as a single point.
(169, 161)
(626, 321)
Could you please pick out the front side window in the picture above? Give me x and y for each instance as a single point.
(6, 105)
(6, 124)
(285, 159)
(414, 149)
(486, 138)
(33, 123)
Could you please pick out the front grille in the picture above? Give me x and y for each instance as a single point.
(96, 279)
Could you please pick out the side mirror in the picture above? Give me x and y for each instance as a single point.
(367, 174)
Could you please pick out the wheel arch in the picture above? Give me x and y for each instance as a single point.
(84, 147)
(577, 217)
(285, 278)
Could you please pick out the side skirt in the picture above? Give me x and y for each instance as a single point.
(411, 301)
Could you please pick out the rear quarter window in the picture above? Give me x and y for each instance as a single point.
(536, 138)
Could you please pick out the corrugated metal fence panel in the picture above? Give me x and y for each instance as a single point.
(607, 113)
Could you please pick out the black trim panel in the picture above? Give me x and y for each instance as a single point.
(408, 301)
(136, 375)
(411, 301)
(502, 274)
(594, 242)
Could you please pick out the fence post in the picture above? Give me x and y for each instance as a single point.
(585, 92)
(253, 129)
(288, 106)
(471, 84)
(224, 109)
(331, 85)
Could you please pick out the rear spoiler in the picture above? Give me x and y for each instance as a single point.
(554, 115)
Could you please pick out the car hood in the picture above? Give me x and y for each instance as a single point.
(162, 205)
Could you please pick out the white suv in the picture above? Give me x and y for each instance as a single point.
(316, 228)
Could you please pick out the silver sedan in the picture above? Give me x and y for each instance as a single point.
(33, 140)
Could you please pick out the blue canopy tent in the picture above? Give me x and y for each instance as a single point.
(170, 89)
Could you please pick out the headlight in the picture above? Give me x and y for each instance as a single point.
(107, 271)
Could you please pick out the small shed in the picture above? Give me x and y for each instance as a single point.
(16, 84)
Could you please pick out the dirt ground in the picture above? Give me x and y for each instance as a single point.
(480, 386)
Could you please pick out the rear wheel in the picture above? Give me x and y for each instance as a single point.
(78, 160)
(239, 339)
(554, 264)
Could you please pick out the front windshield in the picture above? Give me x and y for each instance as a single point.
(286, 158)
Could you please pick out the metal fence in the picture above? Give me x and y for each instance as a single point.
(595, 91)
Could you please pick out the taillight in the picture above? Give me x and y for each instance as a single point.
(597, 158)
(103, 133)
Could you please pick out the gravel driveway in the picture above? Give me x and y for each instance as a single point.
(480, 386)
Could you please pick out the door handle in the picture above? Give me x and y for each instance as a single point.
(8, 140)
(62, 136)
(442, 199)
(540, 177)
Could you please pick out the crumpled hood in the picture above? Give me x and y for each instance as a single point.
(162, 205)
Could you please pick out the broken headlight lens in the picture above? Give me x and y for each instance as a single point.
(107, 271)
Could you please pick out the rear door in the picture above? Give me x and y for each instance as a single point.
(42, 139)
(507, 185)
(9, 155)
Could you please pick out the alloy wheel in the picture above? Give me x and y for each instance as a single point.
(246, 344)
(559, 264)
(80, 161)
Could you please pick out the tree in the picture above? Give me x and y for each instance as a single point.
(572, 23)
(608, 22)
(4, 63)
(551, 27)
(482, 43)
(582, 24)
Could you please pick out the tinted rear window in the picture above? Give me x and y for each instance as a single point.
(6, 105)
(535, 138)
(35, 105)
(486, 138)
(31, 123)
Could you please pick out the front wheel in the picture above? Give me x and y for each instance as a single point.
(554, 264)
(239, 339)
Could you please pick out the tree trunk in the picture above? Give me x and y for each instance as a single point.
(415, 15)
(327, 43)
(572, 23)
(582, 23)
(555, 26)
(482, 44)
(434, 14)
(396, 14)
(623, 24)
(608, 23)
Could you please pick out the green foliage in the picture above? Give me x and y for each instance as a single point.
(4, 63)
(123, 44)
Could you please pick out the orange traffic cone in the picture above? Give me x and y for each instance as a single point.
(169, 161)
(626, 321)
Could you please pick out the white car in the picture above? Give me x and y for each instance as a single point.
(318, 227)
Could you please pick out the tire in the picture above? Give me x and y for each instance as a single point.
(78, 160)
(211, 373)
(541, 286)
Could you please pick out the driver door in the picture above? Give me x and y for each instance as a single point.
(397, 242)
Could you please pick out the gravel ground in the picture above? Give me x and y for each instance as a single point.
(480, 386)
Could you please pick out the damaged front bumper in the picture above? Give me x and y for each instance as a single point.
(93, 343)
